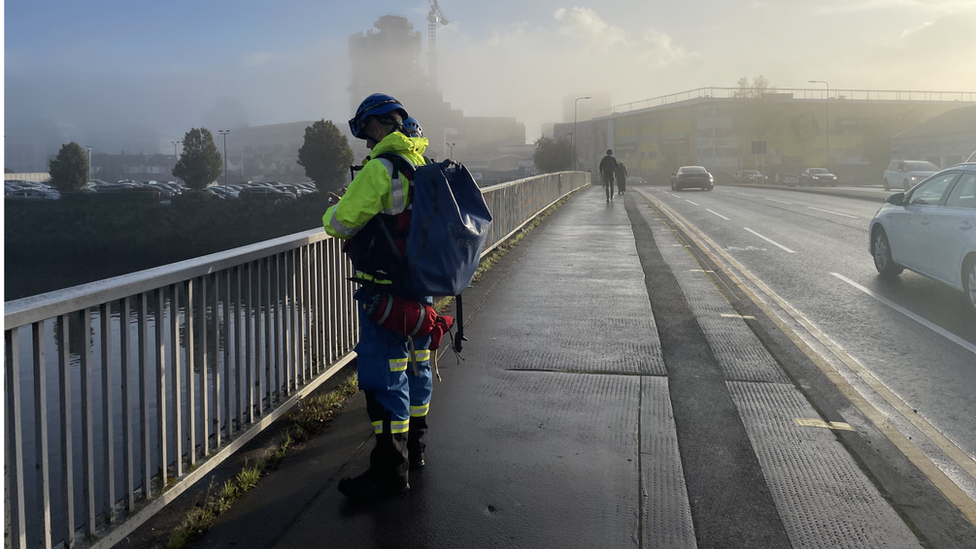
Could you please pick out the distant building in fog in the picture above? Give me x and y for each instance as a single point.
(29, 145)
(386, 59)
(944, 140)
(712, 127)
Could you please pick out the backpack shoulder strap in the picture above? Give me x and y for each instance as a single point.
(400, 163)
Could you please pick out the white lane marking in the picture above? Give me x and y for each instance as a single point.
(744, 194)
(718, 214)
(690, 202)
(780, 201)
(935, 469)
(937, 329)
(835, 213)
(773, 242)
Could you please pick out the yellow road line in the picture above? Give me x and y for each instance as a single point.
(817, 422)
(949, 489)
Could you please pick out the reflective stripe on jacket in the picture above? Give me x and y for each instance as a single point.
(377, 188)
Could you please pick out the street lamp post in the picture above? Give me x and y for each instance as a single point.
(89, 163)
(827, 131)
(224, 133)
(451, 145)
(575, 117)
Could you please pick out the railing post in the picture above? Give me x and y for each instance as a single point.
(67, 426)
(40, 433)
(215, 368)
(125, 345)
(161, 435)
(239, 362)
(14, 441)
(87, 426)
(144, 429)
(204, 363)
(177, 369)
(191, 393)
(250, 314)
(108, 434)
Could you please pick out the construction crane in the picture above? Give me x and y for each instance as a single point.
(434, 16)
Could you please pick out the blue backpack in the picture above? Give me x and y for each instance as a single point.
(449, 224)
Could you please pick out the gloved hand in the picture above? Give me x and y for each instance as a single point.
(442, 325)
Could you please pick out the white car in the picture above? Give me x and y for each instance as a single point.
(906, 173)
(931, 230)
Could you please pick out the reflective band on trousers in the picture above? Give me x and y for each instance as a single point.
(419, 411)
(400, 364)
(396, 427)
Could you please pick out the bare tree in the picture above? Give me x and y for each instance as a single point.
(760, 85)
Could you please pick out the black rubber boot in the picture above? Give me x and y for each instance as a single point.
(416, 442)
(387, 474)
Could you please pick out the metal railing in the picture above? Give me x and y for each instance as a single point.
(839, 94)
(120, 394)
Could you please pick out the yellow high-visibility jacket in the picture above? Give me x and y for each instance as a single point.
(377, 188)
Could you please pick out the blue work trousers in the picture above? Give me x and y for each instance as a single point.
(386, 373)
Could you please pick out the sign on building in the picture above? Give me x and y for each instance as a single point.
(806, 126)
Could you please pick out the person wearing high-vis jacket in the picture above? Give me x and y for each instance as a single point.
(394, 370)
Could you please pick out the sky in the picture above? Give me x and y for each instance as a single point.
(122, 64)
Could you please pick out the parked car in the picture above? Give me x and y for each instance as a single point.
(930, 230)
(907, 173)
(817, 176)
(33, 194)
(787, 178)
(221, 192)
(260, 192)
(692, 176)
(753, 177)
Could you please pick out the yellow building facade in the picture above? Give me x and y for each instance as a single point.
(720, 133)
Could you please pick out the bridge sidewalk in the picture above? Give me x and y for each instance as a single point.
(610, 396)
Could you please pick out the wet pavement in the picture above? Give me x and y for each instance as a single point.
(610, 396)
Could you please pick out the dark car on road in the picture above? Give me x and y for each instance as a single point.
(817, 176)
(270, 194)
(692, 176)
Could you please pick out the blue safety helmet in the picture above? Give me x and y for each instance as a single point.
(374, 105)
(412, 128)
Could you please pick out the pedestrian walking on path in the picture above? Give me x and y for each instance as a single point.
(620, 174)
(397, 397)
(607, 168)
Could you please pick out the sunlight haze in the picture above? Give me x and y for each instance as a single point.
(125, 66)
